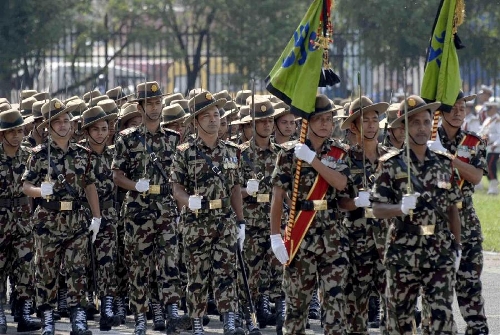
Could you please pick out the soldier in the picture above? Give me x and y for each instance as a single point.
(36, 136)
(471, 121)
(95, 125)
(318, 241)
(16, 239)
(468, 151)
(392, 137)
(366, 272)
(63, 170)
(173, 117)
(490, 132)
(244, 130)
(424, 238)
(207, 185)
(118, 95)
(284, 124)
(143, 154)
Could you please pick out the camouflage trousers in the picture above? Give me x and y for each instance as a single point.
(403, 286)
(366, 276)
(122, 260)
(379, 233)
(183, 277)
(105, 251)
(300, 279)
(152, 247)
(210, 254)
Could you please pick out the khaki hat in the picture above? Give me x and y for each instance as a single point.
(367, 105)
(95, 114)
(466, 98)
(108, 106)
(241, 97)
(184, 104)
(117, 94)
(195, 91)
(391, 114)
(128, 112)
(53, 109)
(323, 105)
(26, 106)
(81, 107)
(37, 110)
(171, 97)
(263, 109)
(74, 97)
(173, 113)
(415, 104)
(341, 112)
(11, 119)
(92, 94)
(231, 108)
(5, 107)
(281, 105)
(94, 101)
(150, 89)
(201, 102)
(42, 96)
(486, 90)
(224, 94)
(28, 93)
(244, 112)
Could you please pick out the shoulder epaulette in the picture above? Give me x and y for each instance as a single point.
(38, 148)
(341, 145)
(171, 131)
(111, 146)
(128, 131)
(183, 146)
(232, 144)
(390, 154)
(244, 146)
(289, 145)
(471, 133)
(82, 147)
(26, 148)
(444, 154)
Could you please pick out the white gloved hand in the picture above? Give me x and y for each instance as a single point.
(458, 258)
(279, 248)
(409, 202)
(194, 202)
(363, 199)
(303, 152)
(142, 185)
(94, 227)
(46, 189)
(252, 186)
(241, 236)
(436, 145)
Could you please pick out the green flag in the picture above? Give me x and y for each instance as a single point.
(441, 80)
(295, 76)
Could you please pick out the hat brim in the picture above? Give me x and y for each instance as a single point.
(432, 107)
(379, 107)
(240, 122)
(25, 122)
(217, 103)
(147, 98)
(469, 97)
(64, 111)
(249, 118)
(125, 118)
(108, 117)
(179, 119)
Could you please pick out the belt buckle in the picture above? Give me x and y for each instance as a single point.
(215, 204)
(263, 197)
(427, 230)
(460, 205)
(66, 205)
(320, 205)
(154, 189)
(369, 213)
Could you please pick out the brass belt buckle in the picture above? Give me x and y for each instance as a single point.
(215, 204)
(427, 230)
(369, 213)
(460, 205)
(154, 189)
(263, 197)
(320, 205)
(66, 205)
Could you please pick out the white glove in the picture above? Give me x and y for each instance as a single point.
(194, 202)
(94, 227)
(458, 259)
(46, 189)
(252, 186)
(363, 199)
(142, 185)
(436, 145)
(409, 202)
(241, 236)
(303, 152)
(279, 248)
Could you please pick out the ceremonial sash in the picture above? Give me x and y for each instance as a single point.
(470, 142)
(303, 219)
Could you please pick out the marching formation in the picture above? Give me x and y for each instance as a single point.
(170, 207)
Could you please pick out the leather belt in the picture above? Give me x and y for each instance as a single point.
(259, 198)
(102, 204)
(215, 204)
(57, 205)
(315, 205)
(156, 190)
(413, 229)
(465, 203)
(14, 202)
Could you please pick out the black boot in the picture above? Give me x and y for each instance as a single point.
(197, 326)
(175, 323)
(26, 323)
(374, 312)
(315, 307)
(158, 318)
(91, 307)
(229, 325)
(280, 315)
(264, 316)
(48, 323)
(251, 324)
(108, 318)
(418, 316)
(120, 310)
(3, 320)
(211, 305)
(79, 322)
(140, 324)
(62, 302)
(14, 304)
(183, 306)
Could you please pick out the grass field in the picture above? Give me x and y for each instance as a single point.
(488, 210)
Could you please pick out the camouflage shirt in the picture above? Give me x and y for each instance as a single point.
(324, 231)
(436, 175)
(263, 160)
(471, 227)
(130, 156)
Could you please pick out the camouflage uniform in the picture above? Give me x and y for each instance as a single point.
(150, 229)
(468, 286)
(366, 238)
(210, 236)
(60, 235)
(414, 259)
(322, 255)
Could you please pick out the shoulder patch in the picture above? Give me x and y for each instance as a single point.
(289, 145)
(444, 154)
(38, 148)
(172, 132)
(232, 144)
(390, 154)
(473, 134)
(244, 146)
(82, 147)
(183, 146)
(128, 131)
(111, 146)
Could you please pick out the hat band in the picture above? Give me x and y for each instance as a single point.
(114, 111)
(118, 96)
(168, 118)
(198, 106)
(93, 118)
(150, 94)
(26, 112)
(5, 124)
(400, 113)
(268, 113)
(327, 108)
(54, 112)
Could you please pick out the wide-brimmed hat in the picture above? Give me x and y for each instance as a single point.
(52, 109)
(283, 107)
(5, 107)
(92, 94)
(26, 106)
(415, 104)
(486, 90)
(230, 108)
(323, 105)
(108, 106)
(391, 114)
(148, 90)
(167, 101)
(11, 119)
(28, 93)
(224, 94)
(462, 96)
(244, 112)
(362, 104)
(341, 113)
(241, 97)
(94, 101)
(95, 114)
(42, 96)
(117, 94)
(81, 107)
(195, 91)
(36, 110)
(201, 102)
(173, 113)
(184, 104)
(263, 109)
(128, 112)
